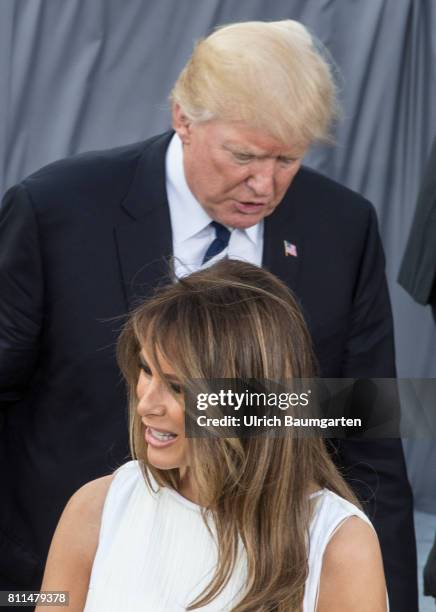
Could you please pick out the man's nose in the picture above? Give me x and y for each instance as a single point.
(262, 179)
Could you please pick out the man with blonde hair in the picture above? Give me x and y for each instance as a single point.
(83, 238)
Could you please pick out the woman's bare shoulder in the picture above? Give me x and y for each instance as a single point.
(81, 518)
(88, 501)
(352, 576)
(75, 541)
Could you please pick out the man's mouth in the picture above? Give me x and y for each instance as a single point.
(250, 207)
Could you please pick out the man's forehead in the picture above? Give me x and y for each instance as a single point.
(241, 137)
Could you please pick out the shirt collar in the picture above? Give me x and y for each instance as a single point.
(188, 217)
(255, 232)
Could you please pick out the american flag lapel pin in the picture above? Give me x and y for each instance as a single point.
(290, 249)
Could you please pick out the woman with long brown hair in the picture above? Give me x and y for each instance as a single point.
(244, 524)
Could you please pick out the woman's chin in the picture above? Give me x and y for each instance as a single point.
(163, 459)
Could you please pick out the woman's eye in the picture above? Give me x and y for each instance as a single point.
(145, 369)
(176, 388)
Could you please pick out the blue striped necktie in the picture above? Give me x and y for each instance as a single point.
(222, 237)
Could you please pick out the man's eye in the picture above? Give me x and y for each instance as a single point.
(287, 161)
(242, 157)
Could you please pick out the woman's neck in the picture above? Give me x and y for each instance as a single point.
(188, 488)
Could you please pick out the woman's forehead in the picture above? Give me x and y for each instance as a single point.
(154, 357)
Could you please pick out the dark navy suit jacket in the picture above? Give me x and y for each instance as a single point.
(80, 240)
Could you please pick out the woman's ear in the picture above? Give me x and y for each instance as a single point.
(181, 123)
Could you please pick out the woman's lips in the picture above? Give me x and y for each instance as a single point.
(249, 207)
(159, 438)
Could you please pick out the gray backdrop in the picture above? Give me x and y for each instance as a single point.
(89, 74)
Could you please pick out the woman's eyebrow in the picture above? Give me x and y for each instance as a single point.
(171, 377)
(144, 364)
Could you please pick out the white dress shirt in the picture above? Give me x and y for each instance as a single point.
(190, 223)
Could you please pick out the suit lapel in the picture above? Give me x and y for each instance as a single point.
(283, 225)
(143, 236)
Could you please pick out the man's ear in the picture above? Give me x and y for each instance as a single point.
(181, 123)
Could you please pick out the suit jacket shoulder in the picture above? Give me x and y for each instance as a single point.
(317, 189)
(336, 218)
(90, 180)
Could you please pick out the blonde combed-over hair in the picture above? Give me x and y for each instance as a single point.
(271, 76)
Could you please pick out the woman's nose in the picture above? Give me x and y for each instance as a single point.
(151, 397)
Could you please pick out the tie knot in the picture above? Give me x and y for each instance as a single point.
(221, 232)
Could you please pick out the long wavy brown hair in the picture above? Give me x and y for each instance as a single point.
(235, 320)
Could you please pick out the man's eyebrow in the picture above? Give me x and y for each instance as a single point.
(234, 147)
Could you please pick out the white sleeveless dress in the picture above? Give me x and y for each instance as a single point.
(156, 555)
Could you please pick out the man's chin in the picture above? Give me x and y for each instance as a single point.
(241, 220)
